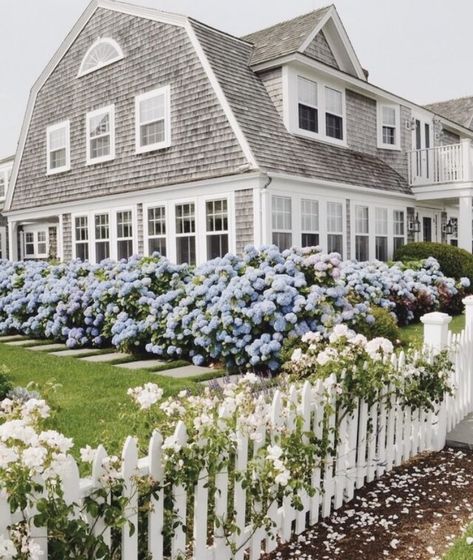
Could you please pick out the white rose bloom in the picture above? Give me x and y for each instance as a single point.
(379, 347)
(18, 430)
(34, 457)
(56, 440)
(274, 451)
(7, 549)
(87, 454)
(282, 478)
(36, 407)
(7, 456)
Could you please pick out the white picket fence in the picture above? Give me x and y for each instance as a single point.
(371, 441)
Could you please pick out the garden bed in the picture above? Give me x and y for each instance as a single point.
(414, 513)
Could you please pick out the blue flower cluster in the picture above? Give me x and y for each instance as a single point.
(237, 310)
(408, 291)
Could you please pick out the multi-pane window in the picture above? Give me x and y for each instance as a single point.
(157, 230)
(152, 114)
(124, 234)
(185, 233)
(29, 244)
(399, 229)
(362, 240)
(42, 247)
(335, 227)
(388, 126)
(308, 104)
(102, 53)
(102, 237)
(101, 135)
(381, 231)
(217, 228)
(3, 184)
(282, 222)
(81, 233)
(309, 223)
(58, 147)
(333, 113)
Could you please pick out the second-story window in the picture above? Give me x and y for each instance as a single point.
(58, 147)
(3, 184)
(388, 126)
(101, 135)
(333, 113)
(308, 104)
(152, 115)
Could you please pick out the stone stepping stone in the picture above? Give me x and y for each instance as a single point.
(141, 364)
(48, 347)
(185, 371)
(22, 342)
(73, 352)
(11, 337)
(104, 358)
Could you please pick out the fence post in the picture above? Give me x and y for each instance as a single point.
(468, 303)
(436, 330)
(436, 339)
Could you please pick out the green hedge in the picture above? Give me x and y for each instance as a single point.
(453, 261)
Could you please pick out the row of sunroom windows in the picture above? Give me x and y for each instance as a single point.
(95, 232)
(388, 226)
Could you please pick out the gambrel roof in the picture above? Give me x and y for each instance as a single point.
(228, 63)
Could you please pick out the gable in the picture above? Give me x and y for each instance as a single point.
(320, 50)
(204, 143)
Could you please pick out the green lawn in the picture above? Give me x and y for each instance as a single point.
(412, 335)
(461, 550)
(90, 396)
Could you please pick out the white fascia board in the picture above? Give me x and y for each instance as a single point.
(435, 192)
(332, 15)
(192, 189)
(361, 86)
(342, 186)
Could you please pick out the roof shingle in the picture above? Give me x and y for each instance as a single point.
(458, 110)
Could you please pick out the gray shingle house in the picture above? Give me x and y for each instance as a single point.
(152, 131)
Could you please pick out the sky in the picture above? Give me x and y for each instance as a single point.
(419, 49)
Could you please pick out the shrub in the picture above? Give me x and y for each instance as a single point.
(385, 325)
(453, 261)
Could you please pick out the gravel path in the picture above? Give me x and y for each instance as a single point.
(414, 513)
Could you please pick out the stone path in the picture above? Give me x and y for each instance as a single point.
(462, 435)
(94, 355)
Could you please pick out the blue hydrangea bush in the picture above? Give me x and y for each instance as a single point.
(237, 309)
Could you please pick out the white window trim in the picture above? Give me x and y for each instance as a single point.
(5, 172)
(63, 124)
(228, 231)
(146, 235)
(110, 110)
(111, 42)
(291, 105)
(166, 91)
(379, 120)
(35, 229)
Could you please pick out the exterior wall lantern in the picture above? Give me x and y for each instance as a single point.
(414, 226)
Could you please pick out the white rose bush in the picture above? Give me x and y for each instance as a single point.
(234, 310)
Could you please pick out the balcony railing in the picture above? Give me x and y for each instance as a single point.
(441, 165)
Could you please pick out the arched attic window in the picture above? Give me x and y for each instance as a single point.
(102, 53)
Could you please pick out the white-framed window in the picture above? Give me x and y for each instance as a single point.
(124, 219)
(103, 52)
(100, 134)
(217, 227)
(3, 184)
(281, 219)
(58, 143)
(156, 216)
(399, 229)
(307, 104)
(381, 234)
(333, 113)
(310, 229)
(185, 233)
(389, 126)
(102, 236)
(362, 230)
(335, 227)
(153, 120)
(81, 237)
(35, 243)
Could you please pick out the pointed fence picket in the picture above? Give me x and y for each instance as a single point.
(364, 443)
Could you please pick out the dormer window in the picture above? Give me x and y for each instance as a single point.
(333, 113)
(389, 126)
(308, 106)
(102, 53)
(58, 148)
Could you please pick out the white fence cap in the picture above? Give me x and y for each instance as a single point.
(436, 318)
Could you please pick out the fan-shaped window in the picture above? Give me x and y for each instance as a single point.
(102, 53)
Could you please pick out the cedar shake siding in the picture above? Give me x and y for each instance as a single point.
(244, 218)
(67, 237)
(272, 79)
(319, 50)
(155, 54)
